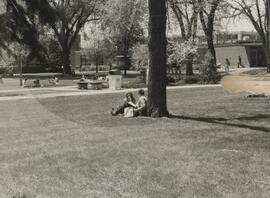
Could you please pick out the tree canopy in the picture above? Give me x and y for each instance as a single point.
(258, 13)
(186, 13)
(64, 18)
(207, 16)
(124, 22)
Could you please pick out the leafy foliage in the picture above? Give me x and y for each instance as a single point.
(258, 13)
(186, 13)
(64, 18)
(140, 56)
(207, 13)
(4, 33)
(180, 52)
(208, 70)
(22, 28)
(123, 23)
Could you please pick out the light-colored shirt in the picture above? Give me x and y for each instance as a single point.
(141, 104)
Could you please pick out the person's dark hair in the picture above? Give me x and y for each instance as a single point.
(141, 92)
(131, 96)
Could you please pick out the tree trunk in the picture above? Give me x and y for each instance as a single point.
(157, 99)
(210, 45)
(126, 47)
(96, 60)
(189, 66)
(267, 57)
(126, 63)
(66, 62)
(208, 26)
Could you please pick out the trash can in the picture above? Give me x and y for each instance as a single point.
(115, 79)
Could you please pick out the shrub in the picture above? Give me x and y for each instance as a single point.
(192, 79)
(92, 68)
(180, 53)
(6, 71)
(170, 79)
(208, 70)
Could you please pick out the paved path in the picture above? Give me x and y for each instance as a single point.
(27, 93)
(11, 91)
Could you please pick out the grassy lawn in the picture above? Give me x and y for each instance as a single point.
(217, 145)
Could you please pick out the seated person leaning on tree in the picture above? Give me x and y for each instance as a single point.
(141, 106)
(138, 109)
(129, 101)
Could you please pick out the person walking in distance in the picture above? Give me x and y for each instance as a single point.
(227, 65)
(239, 64)
(1, 79)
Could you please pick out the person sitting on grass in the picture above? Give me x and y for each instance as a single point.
(83, 78)
(141, 106)
(54, 80)
(24, 82)
(129, 101)
(37, 83)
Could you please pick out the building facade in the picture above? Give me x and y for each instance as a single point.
(232, 45)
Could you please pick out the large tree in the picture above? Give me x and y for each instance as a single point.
(4, 35)
(207, 14)
(22, 28)
(157, 106)
(186, 13)
(64, 17)
(3, 23)
(258, 12)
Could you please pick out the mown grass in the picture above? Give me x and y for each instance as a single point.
(216, 145)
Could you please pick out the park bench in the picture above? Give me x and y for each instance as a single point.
(95, 84)
(31, 83)
(82, 84)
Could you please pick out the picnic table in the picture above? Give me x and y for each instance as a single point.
(96, 84)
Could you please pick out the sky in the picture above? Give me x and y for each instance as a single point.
(238, 25)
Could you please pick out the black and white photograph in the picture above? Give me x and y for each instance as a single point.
(134, 98)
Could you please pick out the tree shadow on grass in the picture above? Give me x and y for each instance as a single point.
(253, 118)
(224, 121)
